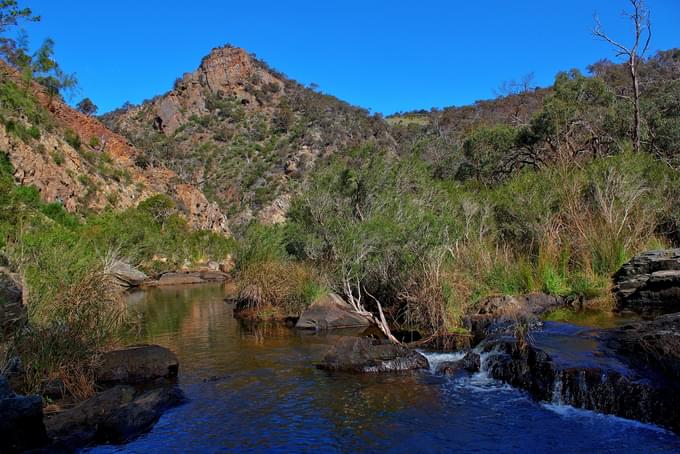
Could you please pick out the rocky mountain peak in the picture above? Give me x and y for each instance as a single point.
(227, 72)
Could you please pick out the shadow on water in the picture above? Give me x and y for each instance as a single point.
(255, 389)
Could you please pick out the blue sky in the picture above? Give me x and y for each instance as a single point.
(387, 56)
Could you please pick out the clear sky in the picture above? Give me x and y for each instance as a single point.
(387, 56)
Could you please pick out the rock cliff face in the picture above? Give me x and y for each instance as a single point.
(225, 72)
(650, 282)
(244, 133)
(79, 162)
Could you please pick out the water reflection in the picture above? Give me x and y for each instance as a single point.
(255, 389)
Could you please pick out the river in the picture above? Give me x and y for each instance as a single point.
(257, 390)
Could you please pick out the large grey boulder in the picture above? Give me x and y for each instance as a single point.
(650, 282)
(126, 275)
(137, 364)
(113, 416)
(331, 312)
(362, 354)
(21, 421)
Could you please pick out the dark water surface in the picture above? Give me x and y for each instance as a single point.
(256, 390)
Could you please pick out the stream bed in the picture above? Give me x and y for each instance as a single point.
(255, 389)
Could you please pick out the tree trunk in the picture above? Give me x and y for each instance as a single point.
(637, 133)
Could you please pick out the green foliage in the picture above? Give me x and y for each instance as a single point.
(484, 149)
(368, 207)
(87, 107)
(72, 138)
(47, 72)
(20, 112)
(58, 157)
(27, 195)
(11, 15)
(261, 243)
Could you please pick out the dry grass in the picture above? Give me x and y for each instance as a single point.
(273, 289)
(68, 334)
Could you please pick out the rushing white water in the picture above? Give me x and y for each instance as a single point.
(567, 411)
(557, 391)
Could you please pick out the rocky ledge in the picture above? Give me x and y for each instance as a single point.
(650, 282)
(117, 414)
(113, 416)
(622, 372)
(498, 314)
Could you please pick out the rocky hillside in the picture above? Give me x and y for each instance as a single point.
(74, 159)
(244, 133)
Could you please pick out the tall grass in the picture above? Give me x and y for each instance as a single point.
(69, 330)
(270, 285)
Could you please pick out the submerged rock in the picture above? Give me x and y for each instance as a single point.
(649, 282)
(21, 421)
(137, 364)
(469, 363)
(126, 275)
(113, 416)
(361, 354)
(331, 312)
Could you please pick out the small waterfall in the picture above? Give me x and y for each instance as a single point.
(435, 359)
(483, 375)
(557, 390)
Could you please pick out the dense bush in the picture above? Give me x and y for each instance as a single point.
(383, 230)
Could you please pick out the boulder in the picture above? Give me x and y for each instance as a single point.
(649, 282)
(126, 275)
(137, 364)
(654, 344)
(331, 312)
(498, 314)
(12, 310)
(113, 416)
(469, 363)
(362, 354)
(213, 266)
(21, 421)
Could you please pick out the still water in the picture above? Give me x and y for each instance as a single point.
(257, 390)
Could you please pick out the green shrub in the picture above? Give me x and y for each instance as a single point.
(58, 157)
(72, 138)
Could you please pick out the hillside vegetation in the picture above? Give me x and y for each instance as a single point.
(244, 133)
(422, 214)
(533, 192)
